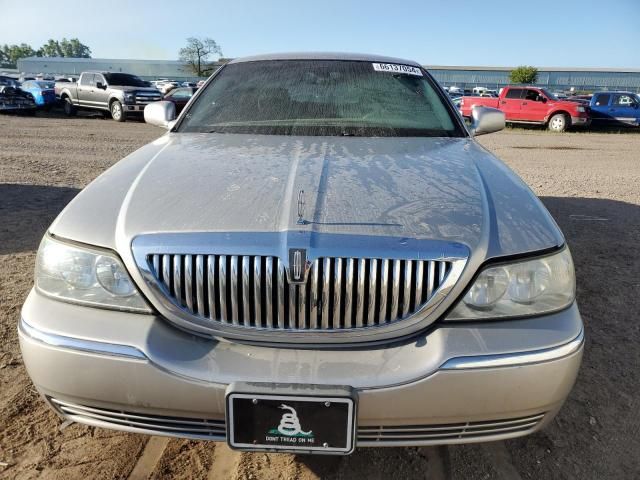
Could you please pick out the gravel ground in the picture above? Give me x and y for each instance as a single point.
(589, 182)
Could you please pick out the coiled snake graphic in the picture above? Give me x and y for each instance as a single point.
(289, 423)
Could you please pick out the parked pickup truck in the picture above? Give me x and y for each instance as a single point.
(611, 108)
(532, 105)
(121, 94)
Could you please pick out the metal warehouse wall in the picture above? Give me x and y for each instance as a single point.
(554, 79)
(147, 69)
(492, 77)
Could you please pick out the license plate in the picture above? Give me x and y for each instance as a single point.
(293, 423)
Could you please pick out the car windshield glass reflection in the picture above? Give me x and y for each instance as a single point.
(334, 97)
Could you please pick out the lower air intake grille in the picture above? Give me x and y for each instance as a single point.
(408, 434)
(368, 436)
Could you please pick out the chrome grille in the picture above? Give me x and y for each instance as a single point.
(147, 97)
(339, 293)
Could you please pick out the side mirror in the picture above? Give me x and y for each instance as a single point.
(101, 86)
(160, 114)
(484, 120)
(542, 99)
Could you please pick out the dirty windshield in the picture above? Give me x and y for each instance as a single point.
(328, 97)
(125, 80)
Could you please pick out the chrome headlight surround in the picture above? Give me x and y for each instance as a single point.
(86, 275)
(522, 288)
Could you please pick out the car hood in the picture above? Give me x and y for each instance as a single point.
(425, 188)
(566, 103)
(125, 88)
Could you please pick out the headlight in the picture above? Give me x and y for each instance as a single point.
(130, 97)
(532, 287)
(83, 275)
(581, 109)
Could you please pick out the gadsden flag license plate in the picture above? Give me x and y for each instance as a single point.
(290, 423)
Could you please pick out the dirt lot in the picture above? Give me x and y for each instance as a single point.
(590, 183)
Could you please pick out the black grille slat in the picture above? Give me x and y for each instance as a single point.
(340, 293)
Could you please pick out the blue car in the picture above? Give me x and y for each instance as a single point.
(611, 108)
(43, 92)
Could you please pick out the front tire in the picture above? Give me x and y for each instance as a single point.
(559, 123)
(117, 112)
(69, 109)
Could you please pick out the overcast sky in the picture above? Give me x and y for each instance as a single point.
(580, 33)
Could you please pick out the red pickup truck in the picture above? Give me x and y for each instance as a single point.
(532, 105)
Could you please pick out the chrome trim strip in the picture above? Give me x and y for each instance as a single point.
(395, 294)
(188, 280)
(280, 303)
(348, 293)
(373, 271)
(406, 295)
(166, 271)
(384, 291)
(211, 292)
(235, 300)
(313, 312)
(419, 274)
(257, 290)
(177, 279)
(200, 284)
(337, 293)
(80, 345)
(246, 272)
(430, 279)
(515, 359)
(222, 278)
(326, 300)
(269, 291)
(302, 306)
(360, 294)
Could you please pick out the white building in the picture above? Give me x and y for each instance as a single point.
(146, 69)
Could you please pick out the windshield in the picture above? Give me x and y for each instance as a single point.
(548, 94)
(321, 97)
(124, 79)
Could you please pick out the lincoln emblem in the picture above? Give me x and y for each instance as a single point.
(297, 265)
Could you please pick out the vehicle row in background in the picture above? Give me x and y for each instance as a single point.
(532, 105)
(119, 94)
(180, 97)
(14, 100)
(609, 108)
(42, 91)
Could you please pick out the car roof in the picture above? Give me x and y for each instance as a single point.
(105, 73)
(615, 91)
(360, 57)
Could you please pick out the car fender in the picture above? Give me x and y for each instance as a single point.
(556, 111)
(116, 95)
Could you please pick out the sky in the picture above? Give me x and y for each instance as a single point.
(577, 33)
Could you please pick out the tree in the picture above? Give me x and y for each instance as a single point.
(197, 53)
(523, 74)
(11, 53)
(51, 49)
(65, 48)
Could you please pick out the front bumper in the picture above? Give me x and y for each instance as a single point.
(580, 121)
(13, 107)
(457, 384)
(134, 108)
